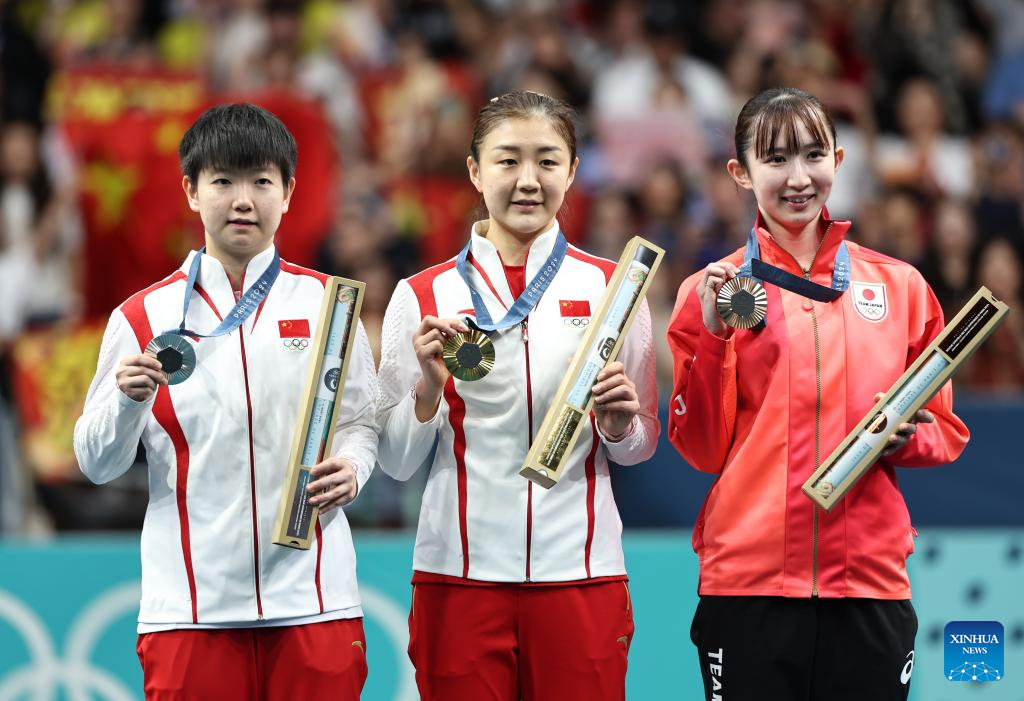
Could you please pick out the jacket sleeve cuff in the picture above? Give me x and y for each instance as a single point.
(358, 449)
(126, 406)
(715, 345)
(405, 441)
(630, 429)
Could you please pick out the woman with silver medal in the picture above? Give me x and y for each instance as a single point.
(172, 349)
(225, 612)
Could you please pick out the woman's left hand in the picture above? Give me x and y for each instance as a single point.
(906, 431)
(615, 401)
(335, 484)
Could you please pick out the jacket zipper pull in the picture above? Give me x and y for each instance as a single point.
(526, 333)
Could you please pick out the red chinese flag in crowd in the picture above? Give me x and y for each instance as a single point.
(124, 127)
(52, 370)
(317, 175)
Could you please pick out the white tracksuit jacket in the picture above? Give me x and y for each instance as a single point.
(218, 445)
(479, 518)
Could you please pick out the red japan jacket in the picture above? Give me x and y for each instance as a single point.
(764, 408)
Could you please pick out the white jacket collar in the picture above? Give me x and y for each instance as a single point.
(486, 256)
(214, 279)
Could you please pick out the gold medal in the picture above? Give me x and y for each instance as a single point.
(469, 355)
(742, 303)
(176, 355)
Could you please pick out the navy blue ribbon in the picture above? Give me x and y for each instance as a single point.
(754, 267)
(243, 309)
(526, 301)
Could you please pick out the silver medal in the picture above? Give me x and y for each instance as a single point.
(176, 354)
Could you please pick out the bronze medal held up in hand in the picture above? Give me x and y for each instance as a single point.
(742, 303)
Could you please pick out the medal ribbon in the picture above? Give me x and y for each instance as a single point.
(754, 267)
(243, 309)
(526, 302)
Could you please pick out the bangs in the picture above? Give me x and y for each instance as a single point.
(230, 149)
(237, 137)
(781, 117)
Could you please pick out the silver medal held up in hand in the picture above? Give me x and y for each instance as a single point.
(176, 355)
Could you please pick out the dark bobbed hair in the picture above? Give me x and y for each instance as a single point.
(524, 104)
(777, 111)
(237, 137)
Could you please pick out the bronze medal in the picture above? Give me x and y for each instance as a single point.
(742, 303)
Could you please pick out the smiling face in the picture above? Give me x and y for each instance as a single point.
(790, 181)
(240, 209)
(524, 171)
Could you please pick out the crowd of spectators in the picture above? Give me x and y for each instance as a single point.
(928, 96)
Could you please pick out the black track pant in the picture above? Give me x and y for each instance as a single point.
(762, 647)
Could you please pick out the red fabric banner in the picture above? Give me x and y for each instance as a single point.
(124, 127)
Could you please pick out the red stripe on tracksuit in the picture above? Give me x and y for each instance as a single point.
(252, 479)
(487, 279)
(591, 471)
(608, 268)
(134, 311)
(209, 301)
(299, 270)
(319, 554)
(456, 416)
(423, 286)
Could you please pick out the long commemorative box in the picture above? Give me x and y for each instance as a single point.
(549, 454)
(921, 381)
(314, 432)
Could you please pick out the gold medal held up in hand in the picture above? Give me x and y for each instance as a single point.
(742, 303)
(469, 355)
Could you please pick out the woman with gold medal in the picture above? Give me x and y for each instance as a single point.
(518, 591)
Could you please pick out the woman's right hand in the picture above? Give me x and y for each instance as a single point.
(715, 275)
(140, 376)
(428, 343)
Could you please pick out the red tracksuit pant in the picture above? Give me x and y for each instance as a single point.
(318, 660)
(512, 642)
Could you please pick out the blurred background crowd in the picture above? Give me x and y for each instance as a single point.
(928, 97)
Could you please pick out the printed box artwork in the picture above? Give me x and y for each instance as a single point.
(325, 384)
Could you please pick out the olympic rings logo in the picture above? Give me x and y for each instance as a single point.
(296, 343)
(75, 673)
(82, 679)
(576, 321)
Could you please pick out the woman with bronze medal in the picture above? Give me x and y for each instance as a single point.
(518, 591)
(779, 350)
